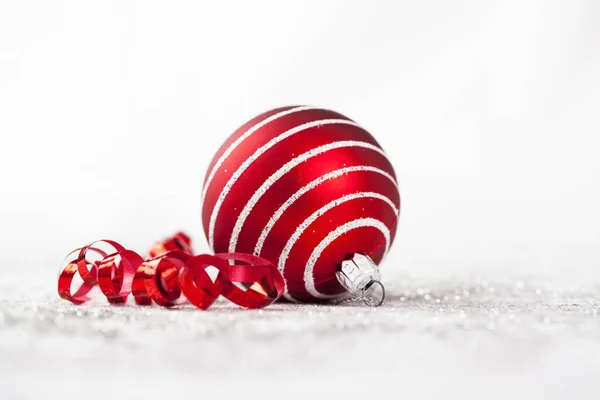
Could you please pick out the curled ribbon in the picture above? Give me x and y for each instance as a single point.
(171, 276)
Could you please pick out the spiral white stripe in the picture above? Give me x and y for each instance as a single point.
(236, 175)
(314, 216)
(309, 279)
(288, 297)
(245, 136)
(281, 172)
(331, 175)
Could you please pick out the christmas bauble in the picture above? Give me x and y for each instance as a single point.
(304, 188)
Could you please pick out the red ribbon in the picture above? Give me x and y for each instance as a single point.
(171, 277)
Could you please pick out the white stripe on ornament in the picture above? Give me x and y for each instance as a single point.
(314, 216)
(331, 175)
(236, 175)
(288, 297)
(281, 172)
(309, 279)
(245, 136)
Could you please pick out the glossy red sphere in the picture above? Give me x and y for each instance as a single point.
(304, 188)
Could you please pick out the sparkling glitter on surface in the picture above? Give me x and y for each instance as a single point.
(538, 340)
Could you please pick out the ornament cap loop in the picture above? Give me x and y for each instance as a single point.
(373, 294)
(360, 276)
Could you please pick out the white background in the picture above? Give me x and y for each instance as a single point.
(111, 111)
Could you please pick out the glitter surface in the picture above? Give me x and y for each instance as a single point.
(433, 338)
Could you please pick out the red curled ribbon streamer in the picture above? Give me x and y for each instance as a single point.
(171, 276)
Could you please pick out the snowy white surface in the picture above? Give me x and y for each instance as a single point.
(433, 338)
(488, 111)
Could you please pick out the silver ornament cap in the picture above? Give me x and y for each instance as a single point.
(361, 277)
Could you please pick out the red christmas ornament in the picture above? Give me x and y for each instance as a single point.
(306, 189)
